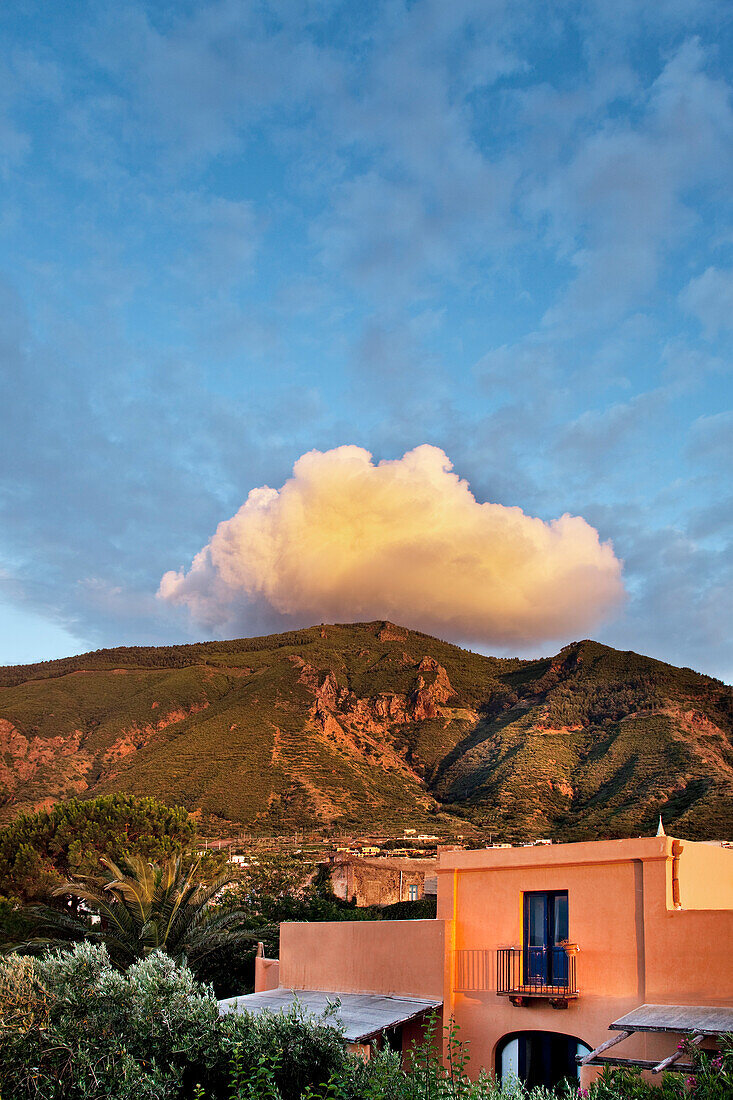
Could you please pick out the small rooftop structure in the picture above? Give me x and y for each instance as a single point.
(363, 1016)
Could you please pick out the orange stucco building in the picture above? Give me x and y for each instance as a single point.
(536, 951)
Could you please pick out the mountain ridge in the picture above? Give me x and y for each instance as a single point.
(342, 726)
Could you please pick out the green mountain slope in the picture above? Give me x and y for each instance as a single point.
(372, 726)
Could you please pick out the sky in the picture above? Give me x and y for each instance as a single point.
(316, 310)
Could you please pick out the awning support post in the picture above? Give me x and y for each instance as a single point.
(695, 1041)
(604, 1046)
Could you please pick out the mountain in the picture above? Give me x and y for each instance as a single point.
(372, 726)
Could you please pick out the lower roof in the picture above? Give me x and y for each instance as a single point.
(361, 1016)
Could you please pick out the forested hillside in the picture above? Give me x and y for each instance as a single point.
(373, 726)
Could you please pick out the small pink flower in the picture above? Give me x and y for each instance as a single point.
(691, 1082)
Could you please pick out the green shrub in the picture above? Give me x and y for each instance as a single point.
(71, 1026)
(424, 908)
(299, 1051)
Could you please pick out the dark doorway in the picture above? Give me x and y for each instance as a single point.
(539, 1057)
(393, 1039)
(545, 929)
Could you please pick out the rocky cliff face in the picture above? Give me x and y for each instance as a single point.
(427, 698)
(374, 726)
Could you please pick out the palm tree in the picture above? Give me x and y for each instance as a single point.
(136, 907)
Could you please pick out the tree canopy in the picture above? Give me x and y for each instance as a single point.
(39, 851)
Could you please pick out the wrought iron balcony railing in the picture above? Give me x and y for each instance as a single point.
(547, 972)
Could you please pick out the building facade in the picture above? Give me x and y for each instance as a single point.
(536, 951)
(380, 881)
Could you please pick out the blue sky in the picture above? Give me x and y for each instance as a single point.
(234, 232)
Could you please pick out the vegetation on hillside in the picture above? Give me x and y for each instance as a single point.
(369, 726)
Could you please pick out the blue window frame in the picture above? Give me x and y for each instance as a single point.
(545, 930)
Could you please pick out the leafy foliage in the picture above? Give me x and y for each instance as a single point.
(138, 907)
(38, 851)
(73, 1027)
(425, 908)
(286, 1052)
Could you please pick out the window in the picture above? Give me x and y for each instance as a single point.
(545, 930)
(412, 892)
(539, 1057)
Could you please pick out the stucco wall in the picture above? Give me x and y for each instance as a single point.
(401, 957)
(705, 875)
(267, 974)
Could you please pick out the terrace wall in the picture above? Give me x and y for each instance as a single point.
(400, 957)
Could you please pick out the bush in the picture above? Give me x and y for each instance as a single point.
(297, 1053)
(72, 1026)
(424, 908)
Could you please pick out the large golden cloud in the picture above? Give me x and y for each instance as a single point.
(345, 539)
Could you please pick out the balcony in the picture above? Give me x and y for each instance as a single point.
(537, 973)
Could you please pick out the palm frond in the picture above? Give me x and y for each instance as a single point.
(144, 906)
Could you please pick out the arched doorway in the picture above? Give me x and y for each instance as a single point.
(539, 1057)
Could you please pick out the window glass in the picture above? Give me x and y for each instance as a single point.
(537, 920)
(510, 1059)
(561, 918)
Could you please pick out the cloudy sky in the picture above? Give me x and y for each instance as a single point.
(477, 256)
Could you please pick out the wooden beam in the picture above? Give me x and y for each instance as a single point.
(694, 1041)
(604, 1046)
(639, 1063)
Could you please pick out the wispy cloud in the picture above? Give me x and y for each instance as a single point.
(709, 297)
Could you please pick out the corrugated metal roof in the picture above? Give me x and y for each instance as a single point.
(362, 1016)
(705, 1019)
